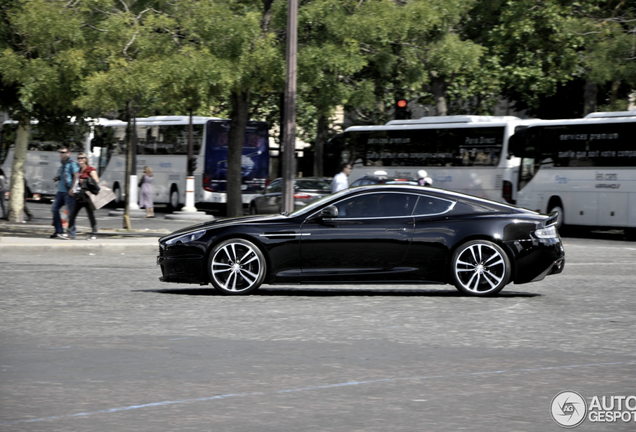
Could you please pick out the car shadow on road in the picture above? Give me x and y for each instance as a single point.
(337, 292)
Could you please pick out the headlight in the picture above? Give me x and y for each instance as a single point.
(547, 232)
(186, 238)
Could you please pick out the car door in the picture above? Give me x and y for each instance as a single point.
(371, 234)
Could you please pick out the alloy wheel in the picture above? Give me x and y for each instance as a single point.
(237, 267)
(480, 268)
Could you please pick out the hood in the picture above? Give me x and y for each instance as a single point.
(222, 222)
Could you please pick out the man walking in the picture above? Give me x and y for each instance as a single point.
(63, 196)
(340, 180)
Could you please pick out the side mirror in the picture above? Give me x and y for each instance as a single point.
(329, 212)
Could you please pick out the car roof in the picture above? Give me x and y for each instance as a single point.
(429, 190)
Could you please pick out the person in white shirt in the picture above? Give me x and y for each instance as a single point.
(340, 180)
(423, 179)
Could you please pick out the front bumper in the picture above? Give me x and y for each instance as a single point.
(181, 265)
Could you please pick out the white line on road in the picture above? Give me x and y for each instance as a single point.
(302, 389)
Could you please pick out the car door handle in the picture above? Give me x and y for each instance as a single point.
(396, 229)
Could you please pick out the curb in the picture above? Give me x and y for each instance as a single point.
(22, 245)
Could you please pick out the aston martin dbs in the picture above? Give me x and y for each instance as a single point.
(380, 234)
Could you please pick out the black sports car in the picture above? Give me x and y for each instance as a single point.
(371, 234)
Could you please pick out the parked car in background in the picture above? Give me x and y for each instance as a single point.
(382, 178)
(306, 190)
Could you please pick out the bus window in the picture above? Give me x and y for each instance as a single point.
(168, 139)
(476, 146)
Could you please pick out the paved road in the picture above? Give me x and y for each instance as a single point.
(96, 343)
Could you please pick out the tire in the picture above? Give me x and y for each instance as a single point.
(118, 197)
(480, 268)
(253, 209)
(236, 267)
(173, 199)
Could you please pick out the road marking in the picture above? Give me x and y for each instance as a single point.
(310, 388)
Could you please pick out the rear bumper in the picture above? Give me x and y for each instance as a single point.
(538, 258)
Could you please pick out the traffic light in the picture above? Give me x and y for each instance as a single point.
(401, 109)
(192, 165)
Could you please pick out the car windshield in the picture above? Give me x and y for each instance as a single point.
(312, 185)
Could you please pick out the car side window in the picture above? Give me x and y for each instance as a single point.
(377, 205)
(274, 187)
(429, 206)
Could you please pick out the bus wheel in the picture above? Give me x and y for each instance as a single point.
(555, 205)
(117, 192)
(173, 201)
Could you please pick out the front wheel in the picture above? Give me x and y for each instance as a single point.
(480, 268)
(237, 267)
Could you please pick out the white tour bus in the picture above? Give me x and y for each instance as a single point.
(461, 153)
(43, 161)
(585, 169)
(162, 144)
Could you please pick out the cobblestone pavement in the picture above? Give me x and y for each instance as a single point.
(97, 343)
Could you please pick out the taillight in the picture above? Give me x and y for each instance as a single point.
(302, 196)
(206, 183)
(507, 192)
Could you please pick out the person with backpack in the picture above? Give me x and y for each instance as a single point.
(64, 195)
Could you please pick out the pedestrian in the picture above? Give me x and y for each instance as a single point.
(80, 186)
(24, 206)
(340, 180)
(64, 195)
(423, 179)
(145, 195)
(3, 190)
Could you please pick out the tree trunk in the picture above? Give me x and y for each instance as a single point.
(439, 93)
(589, 98)
(321, 139)
(16, 201)
(614, 95)
(238, 125)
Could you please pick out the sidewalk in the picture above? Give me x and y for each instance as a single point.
(23, 238)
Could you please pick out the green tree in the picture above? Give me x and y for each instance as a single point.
(41, 67)
(238, 33)
(608, 31)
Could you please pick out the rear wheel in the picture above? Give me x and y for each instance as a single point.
(237, 267)
(117, 191)
(480, 268)
(253, 209)
(173, 200)
(555, 205)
